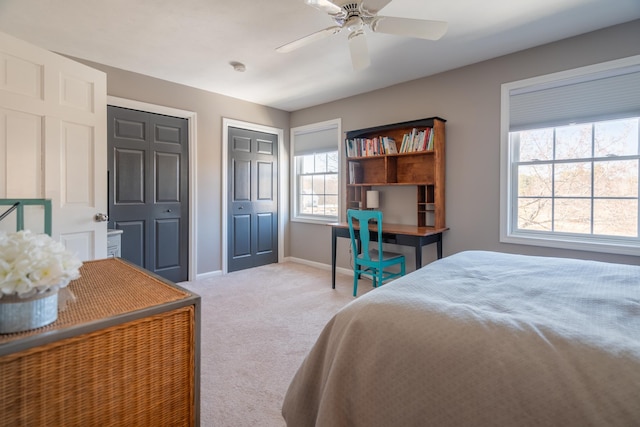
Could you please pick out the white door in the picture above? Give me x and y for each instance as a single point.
(53, 141)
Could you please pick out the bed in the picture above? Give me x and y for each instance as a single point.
(481, 339)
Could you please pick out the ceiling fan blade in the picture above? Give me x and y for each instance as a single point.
(325, 5)
(419, 28)
(374, 6)
(308, 39)
(359, 51)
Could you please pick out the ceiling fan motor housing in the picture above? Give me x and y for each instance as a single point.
(353, 16)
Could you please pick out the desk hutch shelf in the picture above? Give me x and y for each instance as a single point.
(423, 168)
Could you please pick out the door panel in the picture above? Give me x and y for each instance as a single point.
(78, 242)
(167, 243)
(167, 134)
(77, 149)
(266, 147)
(265, 233)
(265, 181)
(129, 129)
(149, 168)
(134, 249)
(242, 180)
(253, 206)
(21, 153)
(20, 75)
(167, 177)
(242, 236)
(240, 144)
(129, 182)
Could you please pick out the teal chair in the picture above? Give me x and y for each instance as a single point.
(19, 204)
(372, 261)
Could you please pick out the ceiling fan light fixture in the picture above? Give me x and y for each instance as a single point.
(354, 24)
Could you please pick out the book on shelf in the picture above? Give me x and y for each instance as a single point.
(417, 140)
(408, 141)
(355, 173)
(349, 148)
(365, 147)
(430, 145)
(390, 145)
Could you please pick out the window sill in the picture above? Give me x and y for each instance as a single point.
(611, 246)
(312, 220)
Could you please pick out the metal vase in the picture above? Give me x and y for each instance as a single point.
(22, 314)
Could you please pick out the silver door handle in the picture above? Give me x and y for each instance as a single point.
(100, 217)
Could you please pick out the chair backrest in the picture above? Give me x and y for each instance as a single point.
(19, 204)
(363, 217)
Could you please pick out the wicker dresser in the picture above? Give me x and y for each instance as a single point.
(125, 351)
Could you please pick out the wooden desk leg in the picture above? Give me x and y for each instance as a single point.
(439, 246)
(334, 237)
(418, 256)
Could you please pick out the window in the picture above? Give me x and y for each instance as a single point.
(571, 159)
(315, 168)
(318, 184)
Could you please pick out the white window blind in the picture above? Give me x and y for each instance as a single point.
(316, 141)
(603, 95)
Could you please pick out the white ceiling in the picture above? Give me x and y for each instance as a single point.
(192, 42)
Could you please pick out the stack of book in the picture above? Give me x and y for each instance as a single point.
(364, 147)
(417, 140)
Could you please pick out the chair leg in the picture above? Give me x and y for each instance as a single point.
(356, 274)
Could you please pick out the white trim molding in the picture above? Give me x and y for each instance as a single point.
(321, 266)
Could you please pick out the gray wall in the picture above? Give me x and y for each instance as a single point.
(469, 99)
(211, 108)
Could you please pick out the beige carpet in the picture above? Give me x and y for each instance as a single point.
(257, 327)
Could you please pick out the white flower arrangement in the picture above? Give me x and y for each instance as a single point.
(33, 263)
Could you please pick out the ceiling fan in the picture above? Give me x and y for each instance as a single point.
(355, 16)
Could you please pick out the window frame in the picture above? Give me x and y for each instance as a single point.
(307, 129)
(509, 233)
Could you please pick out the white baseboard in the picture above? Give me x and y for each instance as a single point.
(319, 265)
(208, 274)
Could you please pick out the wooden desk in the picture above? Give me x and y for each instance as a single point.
(399, 234)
